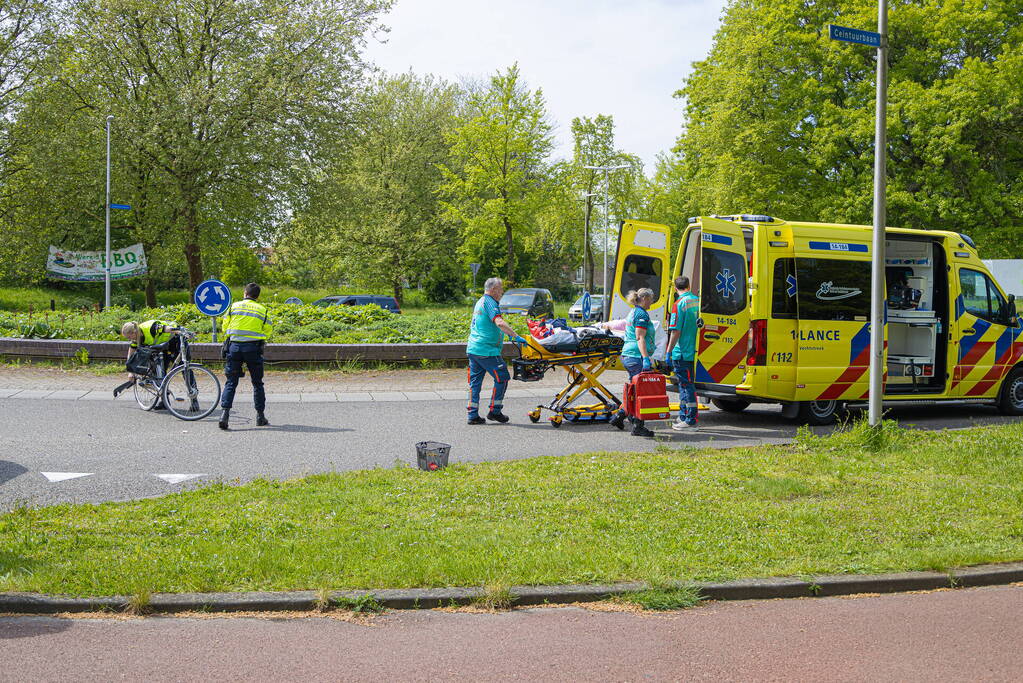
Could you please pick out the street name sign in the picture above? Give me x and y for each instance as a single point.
(120, 206)
(854, 35)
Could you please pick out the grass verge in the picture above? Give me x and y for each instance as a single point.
(843, 503)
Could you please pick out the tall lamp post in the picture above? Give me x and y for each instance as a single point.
(607, 223)
(587, 244)
(106, 264)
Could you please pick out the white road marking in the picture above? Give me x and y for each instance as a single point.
(177, 478)
(62, 476)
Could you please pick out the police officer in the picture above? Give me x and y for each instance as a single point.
(151, 333)
(486, 337)
(247, 326)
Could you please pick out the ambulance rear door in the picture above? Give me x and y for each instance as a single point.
(642, 261)
(723, 340)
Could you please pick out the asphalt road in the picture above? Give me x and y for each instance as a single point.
(123, 451)
(961, 635)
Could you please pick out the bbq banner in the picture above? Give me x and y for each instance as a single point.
(88, 266)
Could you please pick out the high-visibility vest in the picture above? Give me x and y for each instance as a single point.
(151, 333)
(247, 321)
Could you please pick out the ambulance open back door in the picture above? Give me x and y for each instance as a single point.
(723, 341)
(642, 261)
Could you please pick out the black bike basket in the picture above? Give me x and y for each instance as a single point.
(141, 361)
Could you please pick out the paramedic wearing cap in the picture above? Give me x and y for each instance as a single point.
(682, 352)
(639, 346)
(486, 336)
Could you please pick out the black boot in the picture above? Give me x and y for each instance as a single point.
(639, 429)
(497, 416)
(224, 418)
(618, 420)
(261, 420)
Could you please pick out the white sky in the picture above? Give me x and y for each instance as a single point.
(624, 58)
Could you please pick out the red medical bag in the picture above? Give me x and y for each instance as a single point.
(646, 397)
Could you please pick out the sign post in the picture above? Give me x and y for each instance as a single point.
(106, 262)
(475, 267)
(878, 40)
(212, 298)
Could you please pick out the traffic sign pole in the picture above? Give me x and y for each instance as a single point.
(877, 280)
(106, 269)
(877, 283)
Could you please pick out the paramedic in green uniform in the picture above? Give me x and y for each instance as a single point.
(639, 347)
(486, 336)
(682, 352)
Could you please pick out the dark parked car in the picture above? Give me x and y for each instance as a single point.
(388, 303)
(536, 303)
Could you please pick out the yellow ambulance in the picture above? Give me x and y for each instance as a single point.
(785, 310)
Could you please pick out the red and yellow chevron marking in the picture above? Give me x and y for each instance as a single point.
(985, 358)
(723, 369)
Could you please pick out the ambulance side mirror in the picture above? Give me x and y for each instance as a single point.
(1008, 313)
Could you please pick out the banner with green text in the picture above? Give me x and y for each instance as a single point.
(87, 266)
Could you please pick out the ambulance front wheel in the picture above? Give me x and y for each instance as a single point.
(1010, 401)
(817, 412)
(730, 405)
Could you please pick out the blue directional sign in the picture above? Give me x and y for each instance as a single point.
(120, 206)
(212, 298)
(854, 35)
(586, 305)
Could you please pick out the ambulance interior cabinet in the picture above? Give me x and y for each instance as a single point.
(912, 343)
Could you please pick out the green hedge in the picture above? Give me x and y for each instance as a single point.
(337, 324)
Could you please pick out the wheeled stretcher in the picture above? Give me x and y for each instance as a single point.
(583, 361)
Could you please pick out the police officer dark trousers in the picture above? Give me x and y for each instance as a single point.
(248, 326)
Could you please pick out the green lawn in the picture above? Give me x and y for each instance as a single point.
(931, 500)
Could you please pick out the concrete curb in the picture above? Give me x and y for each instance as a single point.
(426, 598)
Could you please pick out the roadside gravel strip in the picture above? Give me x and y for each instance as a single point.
(428, 598)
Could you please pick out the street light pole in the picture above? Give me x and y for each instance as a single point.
(587, 242)
(607, 224)
(106, 269)
(877, 267)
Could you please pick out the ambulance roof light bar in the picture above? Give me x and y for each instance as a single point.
(747, 218)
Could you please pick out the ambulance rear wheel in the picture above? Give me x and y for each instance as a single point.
(817, 412)
(1010, 401)
(730, 405)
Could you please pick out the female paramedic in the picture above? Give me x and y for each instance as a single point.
(639, 347)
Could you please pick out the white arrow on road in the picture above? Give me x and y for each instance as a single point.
(62, 476)
(177, 478)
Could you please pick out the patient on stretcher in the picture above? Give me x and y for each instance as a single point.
(557, 336)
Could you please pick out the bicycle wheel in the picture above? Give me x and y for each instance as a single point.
(147, 393)
(191, 392)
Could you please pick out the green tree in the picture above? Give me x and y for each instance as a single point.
(498, 178)
(779, 119)
(225, 102)
(375, 218)
(594, 145)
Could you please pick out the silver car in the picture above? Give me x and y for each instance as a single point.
(575, 311)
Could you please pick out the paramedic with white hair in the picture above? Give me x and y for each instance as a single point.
(486, 337)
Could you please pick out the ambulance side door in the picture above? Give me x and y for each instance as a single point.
(642, 261)
(833, 335)
(723, 339)
(987, 343)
